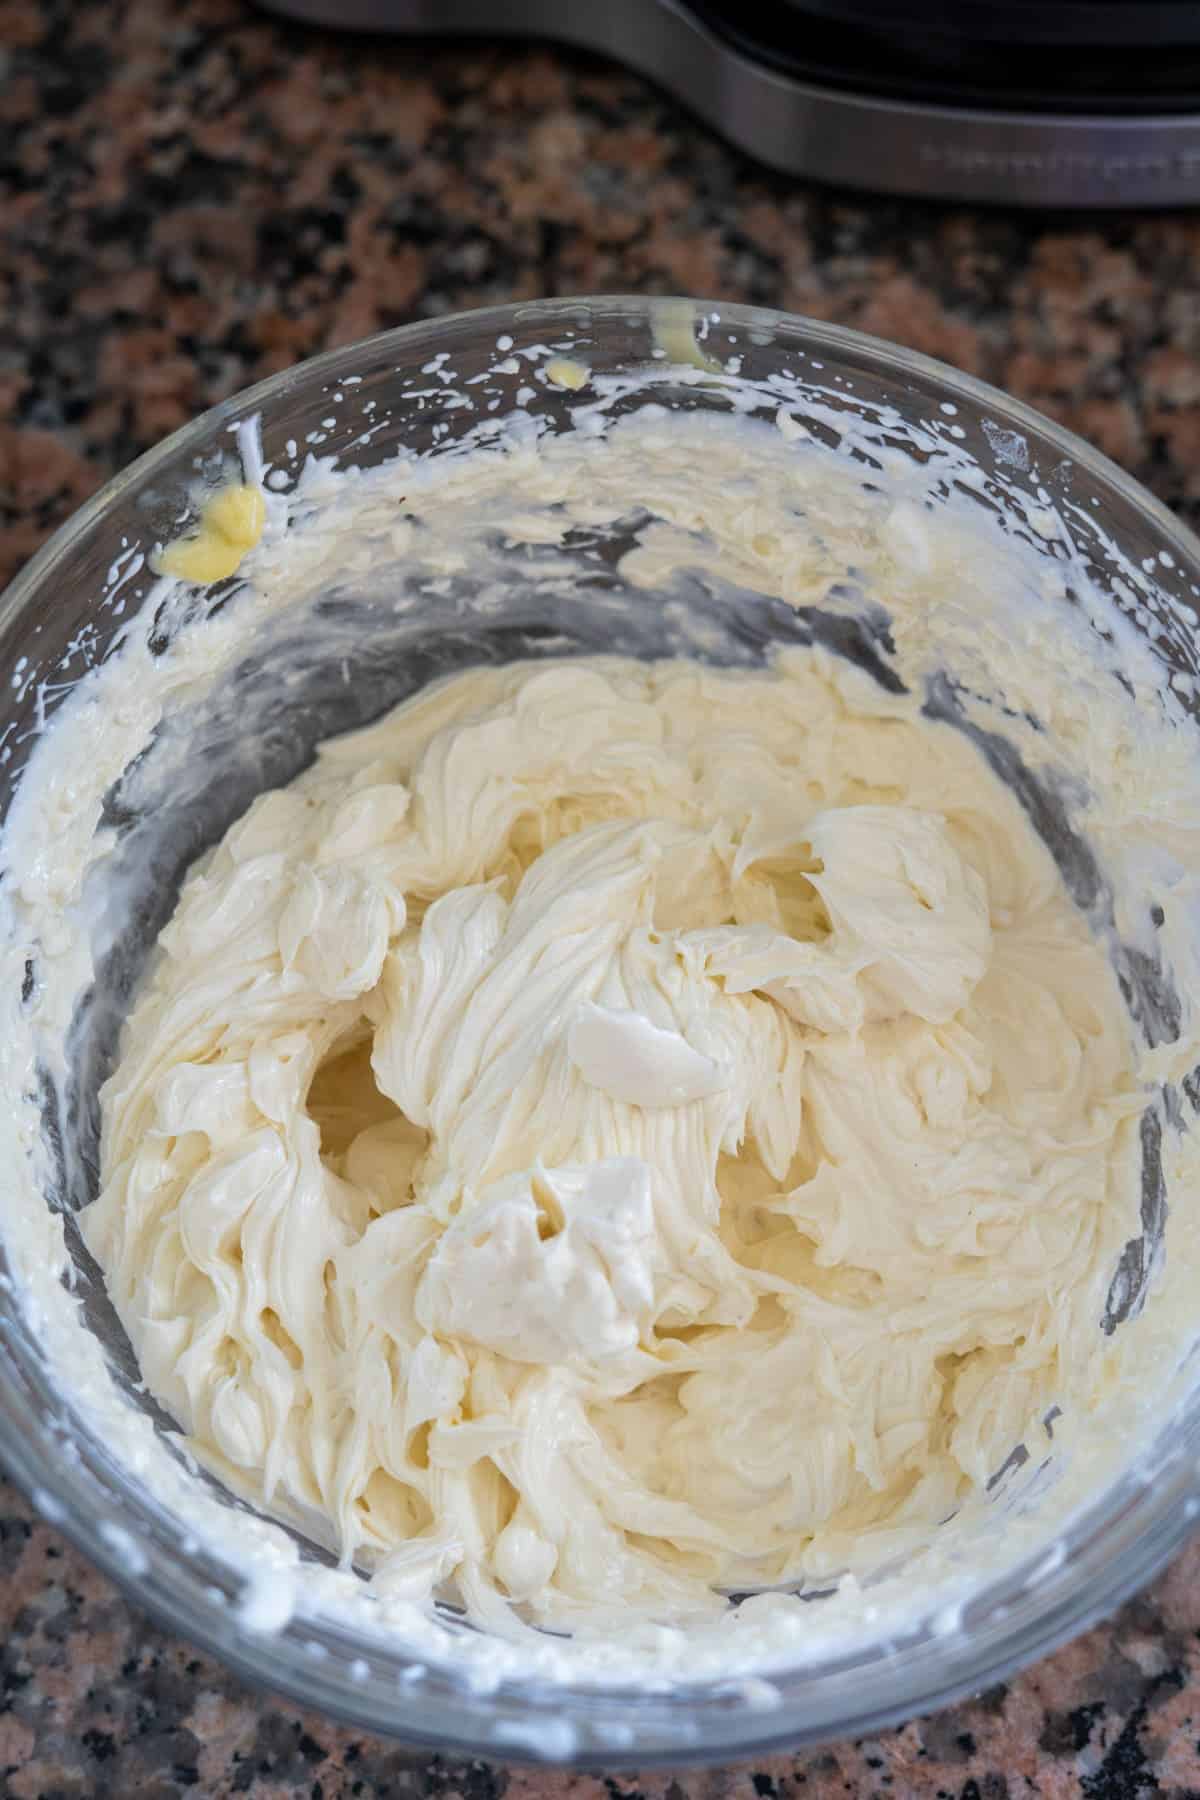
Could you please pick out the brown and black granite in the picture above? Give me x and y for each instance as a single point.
(194, 195)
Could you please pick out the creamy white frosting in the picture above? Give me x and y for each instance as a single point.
(621, 1132)
(720, 532)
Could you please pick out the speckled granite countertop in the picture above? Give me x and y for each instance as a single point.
(192, 196)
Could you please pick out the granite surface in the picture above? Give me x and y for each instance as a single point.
(194, 195)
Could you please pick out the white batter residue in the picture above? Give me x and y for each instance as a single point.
(612, 1133)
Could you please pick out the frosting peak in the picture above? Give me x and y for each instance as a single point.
(580, 1138)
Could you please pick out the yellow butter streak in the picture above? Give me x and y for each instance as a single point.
(566, 372)
(674, 325)
(230, 525)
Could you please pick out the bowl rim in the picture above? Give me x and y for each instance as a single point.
(845, 338)
(27, 1457)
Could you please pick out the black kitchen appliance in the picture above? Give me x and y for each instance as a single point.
(1030, 102)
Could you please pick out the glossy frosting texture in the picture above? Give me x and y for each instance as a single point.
(611, 1133)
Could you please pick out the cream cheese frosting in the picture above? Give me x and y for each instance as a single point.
(614, 1133)
(745, 1397)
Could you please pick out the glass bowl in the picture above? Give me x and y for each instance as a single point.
(65, 613)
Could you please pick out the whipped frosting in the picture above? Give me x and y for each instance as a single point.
(995, 624)
(609, 1134)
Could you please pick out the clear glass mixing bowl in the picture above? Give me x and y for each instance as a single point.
(61, 617)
